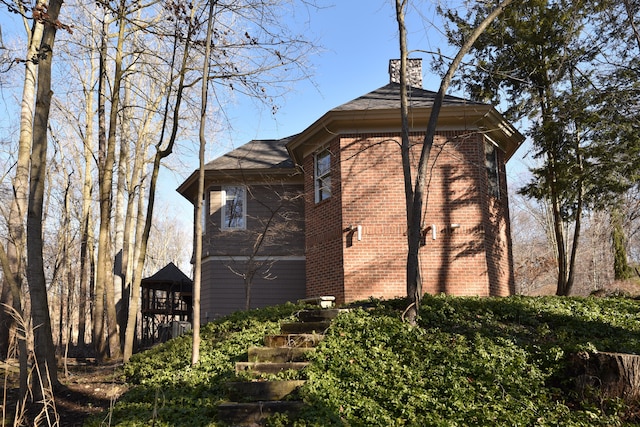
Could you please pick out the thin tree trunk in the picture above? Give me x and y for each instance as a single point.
(578, 221)
(119, 283)
(404, 108)
(134, 221)
(414, 290)
(112, 323)
(100, 275)
(43, 340)
(197, 274)
(85, 229)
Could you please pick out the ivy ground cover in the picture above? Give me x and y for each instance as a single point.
(469, 362)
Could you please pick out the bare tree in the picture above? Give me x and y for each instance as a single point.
(197, 274)
(43, 340)
(16, 238)
(414, 214)
(163, 149)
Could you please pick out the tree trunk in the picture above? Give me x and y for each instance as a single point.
(141, 242)
(43, 340)
(197, 273)
(21, 336)
(119, 276)
(85, 228)
(17, 213)
(98, 316)
(614, 375)
(621, 269)
(414, 289)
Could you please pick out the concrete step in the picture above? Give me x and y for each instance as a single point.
(257, 391)
(305, 327)
(253, 412)
(278, 354)
(268, 367)
(293, 340)
(321, 301)
(320, 315)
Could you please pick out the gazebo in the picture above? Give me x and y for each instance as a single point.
(167, 304)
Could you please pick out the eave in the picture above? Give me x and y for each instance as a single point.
(189, 188)
(483, 118)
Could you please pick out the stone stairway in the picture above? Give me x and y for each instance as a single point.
(252, 401)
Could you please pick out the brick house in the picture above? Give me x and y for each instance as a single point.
(327, 206)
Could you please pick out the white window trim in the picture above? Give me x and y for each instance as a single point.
(223, 210)
(317, 178)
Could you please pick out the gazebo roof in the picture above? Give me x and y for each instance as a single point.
(167, 278)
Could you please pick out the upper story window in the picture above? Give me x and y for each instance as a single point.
(491, 164)
(322, 174)
(234, 207)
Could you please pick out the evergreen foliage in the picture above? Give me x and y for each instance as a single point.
(570, 70)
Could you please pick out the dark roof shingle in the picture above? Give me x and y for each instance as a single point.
(255, 154)
(388, 97)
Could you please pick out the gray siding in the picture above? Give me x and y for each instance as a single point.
(276, 209)
(223, 291)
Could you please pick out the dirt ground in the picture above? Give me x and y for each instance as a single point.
(87, 389)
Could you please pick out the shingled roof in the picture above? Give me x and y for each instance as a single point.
(255, 154)
(388, 97)
(170, 273)
(272, 153)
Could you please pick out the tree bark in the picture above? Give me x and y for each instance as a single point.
(414, 291)
(98, 337)
(43, 341)
(614, 375)
(85, 228)
(17, 213)
(197, 273)
(21, 336)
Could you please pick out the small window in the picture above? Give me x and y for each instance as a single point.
(322, 172)
(234, 207)
(491, 164)
(204, 214)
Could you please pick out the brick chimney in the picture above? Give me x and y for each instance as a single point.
(414, 71)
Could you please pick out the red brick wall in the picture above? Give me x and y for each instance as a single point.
(368, 190)
(373, 197)
(323, 231)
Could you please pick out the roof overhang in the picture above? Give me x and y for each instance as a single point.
(189, 188)
(479, 117)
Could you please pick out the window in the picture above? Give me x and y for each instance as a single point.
(491, 164)
(234, 208)
(322, 172)
(204, 214)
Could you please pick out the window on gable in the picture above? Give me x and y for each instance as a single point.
(234, 207)
(322, 174)
(491, 164)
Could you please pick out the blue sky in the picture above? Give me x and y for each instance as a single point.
(357, 39)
